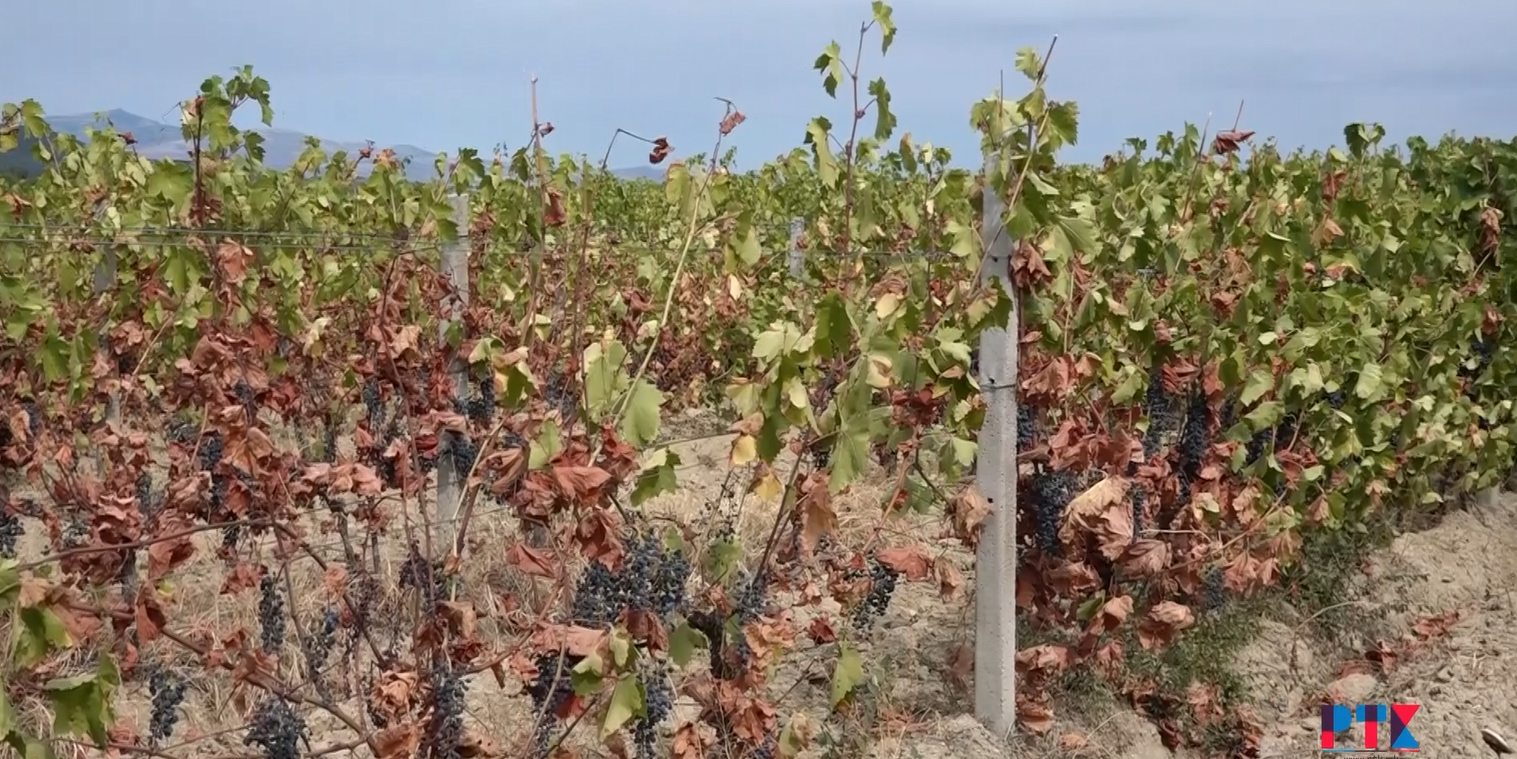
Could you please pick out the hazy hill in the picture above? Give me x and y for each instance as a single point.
(156, 139)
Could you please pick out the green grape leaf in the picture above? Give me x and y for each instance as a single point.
(847, 673)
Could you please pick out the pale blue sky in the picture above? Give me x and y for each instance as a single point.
(446, 73)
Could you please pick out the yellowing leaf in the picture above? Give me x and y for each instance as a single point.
(795, 390)
(768, 487)
(313, 334)
(744, 450)
(888, 304)
(880, 367)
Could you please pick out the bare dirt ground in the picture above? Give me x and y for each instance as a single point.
(1463, 676)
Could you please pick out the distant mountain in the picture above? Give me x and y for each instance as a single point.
(156, 139)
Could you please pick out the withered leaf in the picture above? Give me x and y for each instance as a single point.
(1163, 623)
(1145, 558)
(966, 515)
(1036, 718)
(530, 561)
(1045, 658)
(1101, 509)
(910, 561)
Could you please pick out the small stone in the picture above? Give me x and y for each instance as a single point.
(1354, 688)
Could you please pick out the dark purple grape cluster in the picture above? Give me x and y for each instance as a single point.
(1027, 427)
(230, 534)
(1229, 412)
(882, 582)
(33, 418)
(599, 597)
(1139, 510)
(1285, 432)
(370, 704)
(658, 702)
(1193, 446)
(126, 363)
(1051, 492)
(276, 729)
(826, 388)
(147, 502)
(751, 602)
(549, 691)
(752, 598)
(768, 749)
(127, 574)
(318, 644)
(247, 398)
(639, 569)
(1158, 407)
(181, 431)
(10, 532)
(1213, 590)
(1193, 436)
(373, 403)
(1256, 445)
(481, 406)
(271, 614)
(167, 691)
(669, 583)
(211, 450)
(445, 729)
(427, 577)
(821, 454)
(77, 532)
(652, 577)
(462, 451)
(560, 396)
(1484, 349)
(1336, 399)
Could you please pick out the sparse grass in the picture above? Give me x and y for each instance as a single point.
(1203, 654)
(1324, 591)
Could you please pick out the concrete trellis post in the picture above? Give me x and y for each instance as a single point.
(995, 702)
(455, 266)
(797, 257)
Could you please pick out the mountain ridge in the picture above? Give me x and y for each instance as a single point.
(156, 139)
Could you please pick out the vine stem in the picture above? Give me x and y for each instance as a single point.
(679, 270)
(541, 164)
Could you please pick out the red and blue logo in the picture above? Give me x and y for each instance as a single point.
(1385, 728)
